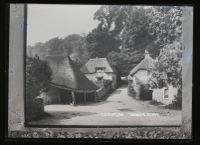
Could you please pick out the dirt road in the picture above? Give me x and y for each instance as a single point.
(118, 109)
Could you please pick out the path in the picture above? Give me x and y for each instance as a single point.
(118, 109)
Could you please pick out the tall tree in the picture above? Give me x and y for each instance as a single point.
(105, 38)
(38, 75)
(135, 36)
(74, 44)
(165, 23)
(54, 46)
(166, 27)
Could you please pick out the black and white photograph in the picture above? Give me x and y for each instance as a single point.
(100, 71)
(104, 65)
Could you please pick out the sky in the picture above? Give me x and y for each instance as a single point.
(46, 21)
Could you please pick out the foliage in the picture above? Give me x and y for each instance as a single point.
(122, 35)
(38, 75)
(165, 23)
(53, 46)
(176, 104)
(74, 45)
(124, 62)
(135, 35)
(165, 26)
(168, 68)
(106, 83)
(106, 37)
(154, 102)
(100, 43)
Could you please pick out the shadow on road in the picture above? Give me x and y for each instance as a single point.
(64, 114)
(94, 103)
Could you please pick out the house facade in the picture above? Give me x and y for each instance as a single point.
(98, 70)
(165, 95)
(139, 76)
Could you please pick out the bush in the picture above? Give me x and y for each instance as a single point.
(153, 102)
(176, 104)
(38, 75)
(107, 83)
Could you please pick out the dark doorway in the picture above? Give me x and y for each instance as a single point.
(145, 93)
(90, 97)
(65, 97)
(79, 97)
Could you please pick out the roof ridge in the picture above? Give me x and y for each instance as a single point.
(104, 58)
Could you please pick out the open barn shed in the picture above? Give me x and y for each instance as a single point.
(68, 85)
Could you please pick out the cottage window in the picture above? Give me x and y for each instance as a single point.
(100, 69)
(166, 95)
(99, 78)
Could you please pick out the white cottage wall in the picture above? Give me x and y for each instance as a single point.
(142, 76)
(158, 95)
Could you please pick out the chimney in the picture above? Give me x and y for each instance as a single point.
(146, 53)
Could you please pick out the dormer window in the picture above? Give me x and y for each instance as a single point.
(99, 78)
(100, 69)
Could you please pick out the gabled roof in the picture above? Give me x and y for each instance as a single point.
(145, 64)
(67, 74)
(90, 66)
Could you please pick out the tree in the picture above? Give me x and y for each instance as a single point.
(168, 68)
(38, 75)
(105, 38)
(100, 43)
(74, 45)
(54, 46)
(134, 39)
(124, 62)
(165, 23)
(135, 35)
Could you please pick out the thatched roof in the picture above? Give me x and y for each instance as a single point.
(145, 64)
(90, 66)
(67, 74)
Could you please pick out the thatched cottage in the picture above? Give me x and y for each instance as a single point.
(99, 69)
(68, 85)
(139, 76)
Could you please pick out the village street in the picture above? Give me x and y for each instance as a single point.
(117, 109)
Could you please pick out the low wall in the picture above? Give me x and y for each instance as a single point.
(103, 92)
